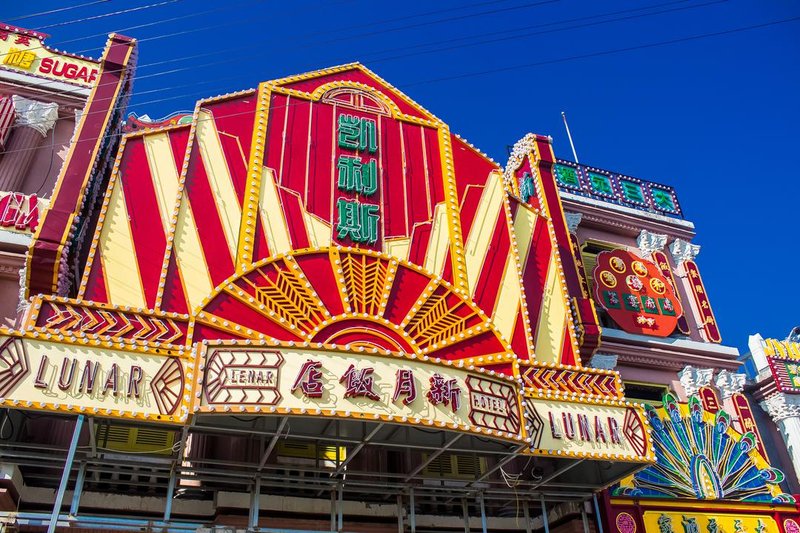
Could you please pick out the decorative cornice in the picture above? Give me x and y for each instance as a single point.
(781, 406)
(729, 383)
(683, 251)
(40, 116)
(605, 361)
(650, 242)
(693, 378)
(573, 220)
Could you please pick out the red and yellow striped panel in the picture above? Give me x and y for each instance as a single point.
(221, 219)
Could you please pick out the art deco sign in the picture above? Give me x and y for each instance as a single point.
(636, 294)
(379, 387)
(93, 380)
(601, 429)
(784, 362)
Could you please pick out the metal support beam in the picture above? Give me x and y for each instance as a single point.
(483, 512)
(76, 494)
(584, 518)
(62, 487)
(412, 515)
(400, 513)
(500, 465)
(333, 511)
(339, 510)
(465, 512)
(597, 514)
(170, 494)
(433, 457)
(545, 521)
(526, 512)
(272, 443)
(351, 455)
(557, 473)
(255, 503)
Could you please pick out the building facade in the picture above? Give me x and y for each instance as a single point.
(307, 306)
(719, 465)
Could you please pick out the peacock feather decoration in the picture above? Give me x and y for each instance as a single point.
(700, 456)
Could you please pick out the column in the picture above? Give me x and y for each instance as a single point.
(785, 412)
(34, 120)
(693, 378)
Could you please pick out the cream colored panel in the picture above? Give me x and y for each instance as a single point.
(165, 176)
(438, 246)
(397, 247)
(319, 233)
(272, 218)
(189, 254)
(219, 178)
(552, 319)
(505, 311)
(123, 281)
(480, 234)
(524, 223)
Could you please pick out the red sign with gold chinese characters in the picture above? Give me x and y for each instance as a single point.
(635, 293)
(701, 299)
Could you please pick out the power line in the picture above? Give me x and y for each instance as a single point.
(515, 67)
(59, 10)
(104, 15)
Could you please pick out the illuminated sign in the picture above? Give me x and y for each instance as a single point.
(386, 387)
(783, 358)
(20, 212)
(635, 294)
(91, 379)
(689, 521)
(707, 318)
(601, 429)
(25, 51)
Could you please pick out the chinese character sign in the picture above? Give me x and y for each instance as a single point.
(707, 319)
(357, 175)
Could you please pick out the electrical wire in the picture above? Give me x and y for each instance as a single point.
(508, 68)
(104, 15)
(59, 10)
(379, 60)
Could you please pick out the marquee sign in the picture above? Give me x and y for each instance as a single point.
(388, 387)
(635, 293)
(24, 51)
(20, 212)
(600, 429)
(83, 378)
(783, 358)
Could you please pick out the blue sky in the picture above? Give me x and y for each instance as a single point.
(645, 94)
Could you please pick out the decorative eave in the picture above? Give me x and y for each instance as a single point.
(629, 221)
(764, 387)
(669, 353)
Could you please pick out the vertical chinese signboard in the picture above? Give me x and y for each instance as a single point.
(707, 318)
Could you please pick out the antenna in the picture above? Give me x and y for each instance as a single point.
(572, 144)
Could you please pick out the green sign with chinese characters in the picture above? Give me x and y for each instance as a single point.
(357, 173)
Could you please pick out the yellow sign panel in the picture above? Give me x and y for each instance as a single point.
(394, 388)
(26, 53)
(92, 380)
(599, 428)
(692, 522)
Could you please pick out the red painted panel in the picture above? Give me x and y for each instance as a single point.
(147, 230)
(482, 344)
(392, 189)
(434, 159)
(206, 215)
(568, 351)
(420, 238)
(351, 331)
(274, 144)
(408, 285)
(234, 121)
(174, 298)
(518, 338)
(201, 332)
(293, 212)
(469, 206)
(534, 273)
(321, 162)
(260, 247)
(420, 208)
(96, 282)
(491, 275)
(318, 272)
(356, 76)
(293, 171)
(228, 307)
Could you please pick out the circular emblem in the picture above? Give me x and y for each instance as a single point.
(790, 526)
(625, 523)
(635, 294)
(657, 285)
(634, 283)
(608, 279)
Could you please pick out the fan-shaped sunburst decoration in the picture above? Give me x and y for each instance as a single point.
(351, 297)
(700, 456)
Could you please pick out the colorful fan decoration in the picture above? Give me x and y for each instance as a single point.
(700, 456)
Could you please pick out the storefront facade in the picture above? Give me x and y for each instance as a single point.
(309, 307)
(718, 464)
